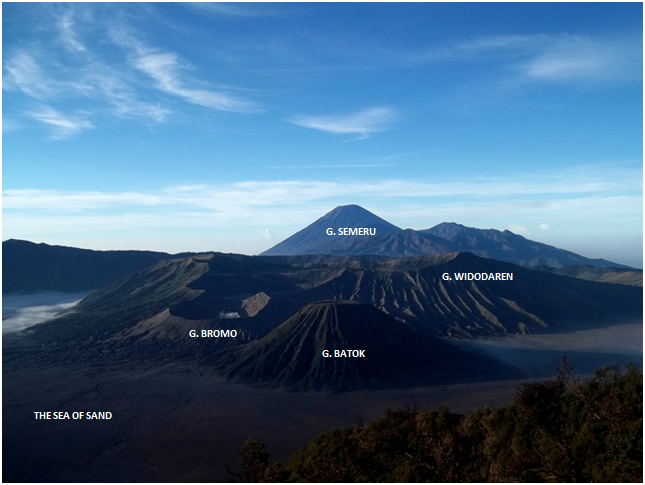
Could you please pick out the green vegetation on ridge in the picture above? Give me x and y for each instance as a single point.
(558, 430)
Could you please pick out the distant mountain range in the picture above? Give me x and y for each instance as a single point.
(446, 237)
(283, 310)
(329, 292)
(253, 297)
(27, 266)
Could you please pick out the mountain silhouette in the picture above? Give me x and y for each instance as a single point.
(393, 355)
(509, 247)
(254, 296)
(313, 239)
(447, 237)
(27, 266)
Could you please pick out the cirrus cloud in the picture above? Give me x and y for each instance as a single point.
(164, 69)
(536, 189)
(568, 58)
(362, 123)
(63, 126)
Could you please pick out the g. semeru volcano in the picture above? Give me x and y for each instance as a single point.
(386, 353)
(386, 239)
(314, 239)
(29, 267)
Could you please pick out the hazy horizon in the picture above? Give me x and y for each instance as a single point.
(162, 248)
(229, 127)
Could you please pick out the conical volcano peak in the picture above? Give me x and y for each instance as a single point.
(350, 210)
(348, 207)
(315, 238)
(345, 345)
(355, 216)
(336, 314)
(351, 230)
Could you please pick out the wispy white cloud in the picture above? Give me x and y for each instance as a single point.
(94, 81)
(121, 96)
(164, 69)
(544, 227)
(23, 73)
(230, 9)
(559, 57)
(9, 125)
(517, 228)
(68, 35)
(585, 197)
(75, 201)
(532, 191)
(327, 166)
(553, 57)
(585, 59)
(107, 80)
(362, 123)
(512, 42)
(62, 125)
(420, 211)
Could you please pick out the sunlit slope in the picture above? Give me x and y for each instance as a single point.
(106, 312)
(414, 290)
(390, 353)
(153, 311)
(254, 296)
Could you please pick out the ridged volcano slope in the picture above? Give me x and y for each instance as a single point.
(167, 300)
(211, 292)
(292, 354)
(509, 247)
(413, 290)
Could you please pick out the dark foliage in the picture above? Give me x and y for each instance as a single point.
(558, 430)
(253, 460)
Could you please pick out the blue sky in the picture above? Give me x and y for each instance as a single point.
(194, 127)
